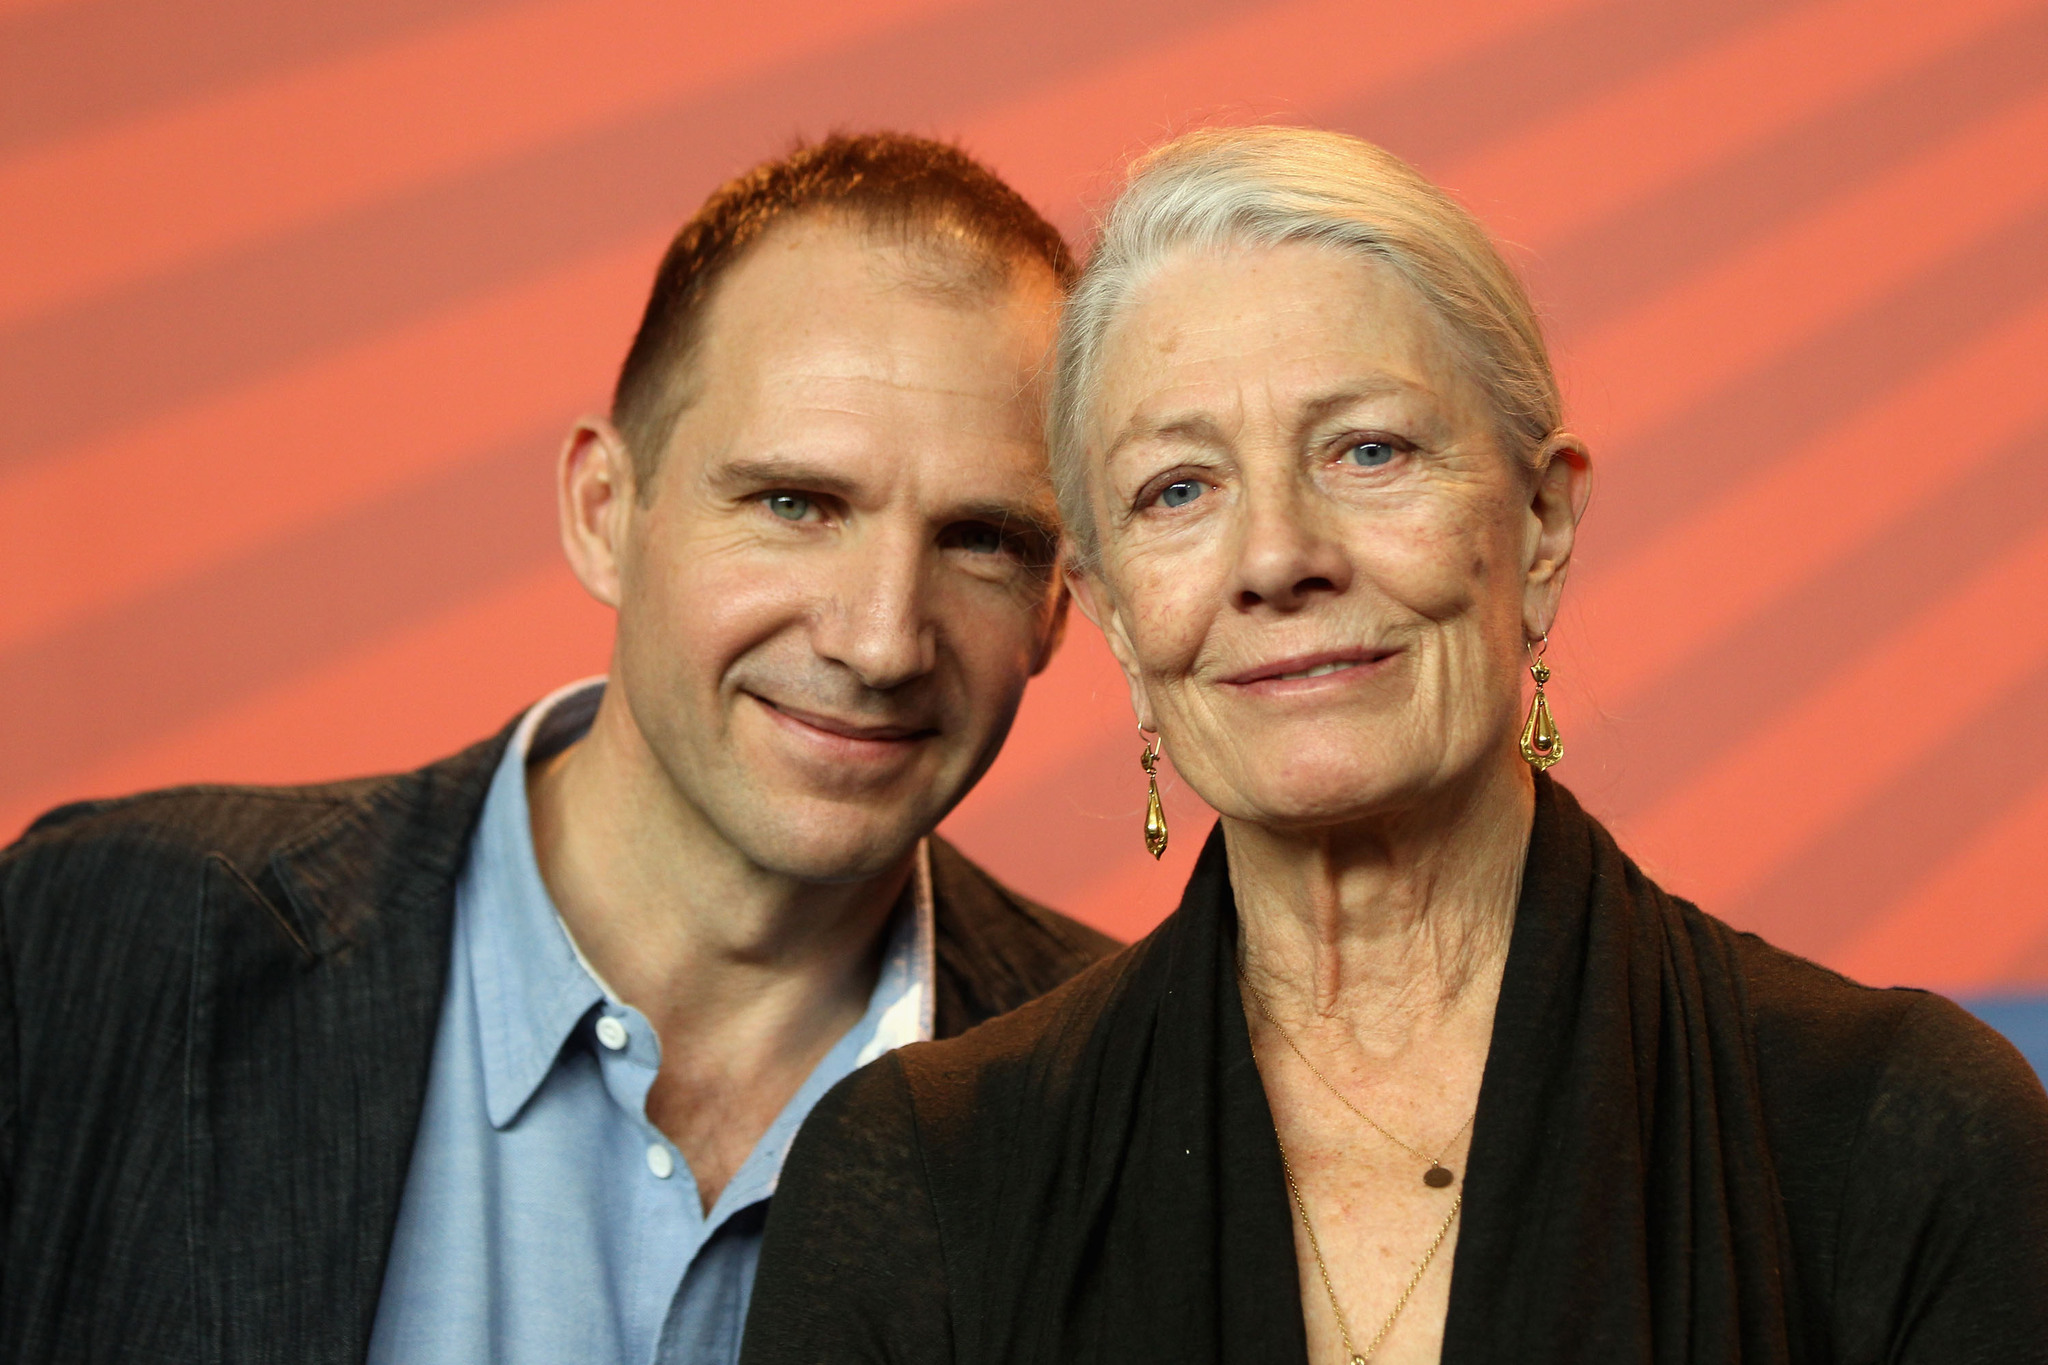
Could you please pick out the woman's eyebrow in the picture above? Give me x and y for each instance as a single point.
(1194, 428)
(1325, 405)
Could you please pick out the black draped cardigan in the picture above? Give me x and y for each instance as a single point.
(1690, 1146)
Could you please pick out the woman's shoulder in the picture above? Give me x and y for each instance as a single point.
(1818, 1032)
(1028, 1056)
(1911, 1150)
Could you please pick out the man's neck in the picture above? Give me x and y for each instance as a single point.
(747, 976)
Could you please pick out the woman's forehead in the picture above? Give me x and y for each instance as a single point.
(1301, 325)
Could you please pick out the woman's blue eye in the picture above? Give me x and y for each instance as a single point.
(1369, 454)
(789, 506)
(1182, 493)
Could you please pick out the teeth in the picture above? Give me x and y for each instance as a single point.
(1318, 671)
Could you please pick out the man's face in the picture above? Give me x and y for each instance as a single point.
(833, 594)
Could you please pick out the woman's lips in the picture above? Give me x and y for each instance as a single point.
(1289, 673)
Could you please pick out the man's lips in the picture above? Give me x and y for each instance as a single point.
(1308, 667)
(848, 729)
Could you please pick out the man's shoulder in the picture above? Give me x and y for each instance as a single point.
(156, 842)
(996, 948)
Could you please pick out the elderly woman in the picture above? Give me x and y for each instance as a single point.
(1423, 1067)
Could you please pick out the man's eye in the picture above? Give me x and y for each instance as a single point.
(1369, 454)
(978, 538)
(788, 506)
(1181, 492)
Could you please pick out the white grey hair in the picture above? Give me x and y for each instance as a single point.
(1220, 188)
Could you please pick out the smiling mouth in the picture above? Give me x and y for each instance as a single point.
(1320, 670)
(1305, 667)
(849, 729)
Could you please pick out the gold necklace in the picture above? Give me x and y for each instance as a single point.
(1437, 1176)
(1356, 1356)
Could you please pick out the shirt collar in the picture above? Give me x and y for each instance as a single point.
(532, 987)
(899, 1011)
(533, 984)
(903, 1003)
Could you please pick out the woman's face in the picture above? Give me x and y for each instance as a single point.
(1317, 565)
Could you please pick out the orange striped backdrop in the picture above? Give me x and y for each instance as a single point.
(296, 300)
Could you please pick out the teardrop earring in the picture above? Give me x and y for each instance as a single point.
(1541, 744)
(1155, 814)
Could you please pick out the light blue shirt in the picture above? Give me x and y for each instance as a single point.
(544, 1218)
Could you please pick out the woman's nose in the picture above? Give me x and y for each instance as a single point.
(1287, 556)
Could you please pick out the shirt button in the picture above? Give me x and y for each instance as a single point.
(611, 1033)
(660, 1162)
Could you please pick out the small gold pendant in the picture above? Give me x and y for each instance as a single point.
(1436, 1177)
(1541, 744)
(1155, 814)
(1155, 823)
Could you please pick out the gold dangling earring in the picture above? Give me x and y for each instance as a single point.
(1155, 814)
(1541, 744)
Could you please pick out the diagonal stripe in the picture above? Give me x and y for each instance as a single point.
(2009, 857)
(208, 484)
(140, 198)
(1527, 79)
(79, 65)
(200, 644)
(1675, 597)
(1697, 456)
(1653, 226)
(425, 689)
(30, 9)
(1753, 678)
(1065, 141)
(1767, 797)
(1565, 173)
(1882, 856)
(1970, 927)
(115, 359)
(1668, 354)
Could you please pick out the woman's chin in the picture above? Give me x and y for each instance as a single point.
(1318, 797)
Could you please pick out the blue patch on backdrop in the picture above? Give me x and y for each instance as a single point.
(2023, 1019)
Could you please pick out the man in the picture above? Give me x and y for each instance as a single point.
(498, 1060)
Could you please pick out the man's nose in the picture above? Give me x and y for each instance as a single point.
(876, 623)
(1287, 553)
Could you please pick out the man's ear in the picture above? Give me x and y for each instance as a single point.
(594, 504)
(1558, 496)
(1055, 628)
(1092, 595)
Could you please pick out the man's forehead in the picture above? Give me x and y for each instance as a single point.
(818, 261)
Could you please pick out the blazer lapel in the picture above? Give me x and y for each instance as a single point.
(316, 997)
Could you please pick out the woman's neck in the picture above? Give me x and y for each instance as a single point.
(1390, 922)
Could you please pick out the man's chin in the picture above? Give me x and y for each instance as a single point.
(831, 845)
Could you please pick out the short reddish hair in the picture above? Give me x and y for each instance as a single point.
(925, 193)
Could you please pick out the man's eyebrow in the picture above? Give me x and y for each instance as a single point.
(780, 471)
(1008, 516)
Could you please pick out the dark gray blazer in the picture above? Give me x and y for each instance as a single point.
(217, 1006)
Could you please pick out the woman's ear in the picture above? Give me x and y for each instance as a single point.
(1557, 499)
(593, 504)
(1093, 597)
